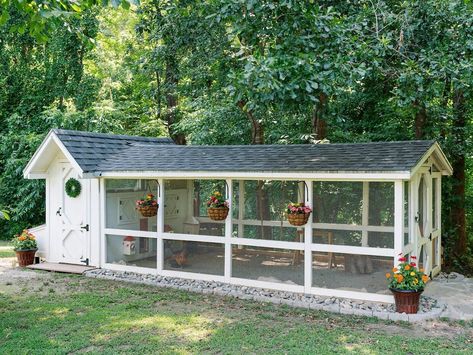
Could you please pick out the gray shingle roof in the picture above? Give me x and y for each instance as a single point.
(90, 149)
(96, 153)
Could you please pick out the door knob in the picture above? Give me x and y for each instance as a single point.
(58, 212)
(86, 227)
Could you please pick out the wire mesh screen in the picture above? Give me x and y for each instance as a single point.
(260, 206)
(266, 264)
(185, 207)
(381, 204)
(338, 202)
(351, 272)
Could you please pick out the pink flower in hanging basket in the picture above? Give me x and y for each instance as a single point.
(298, 208)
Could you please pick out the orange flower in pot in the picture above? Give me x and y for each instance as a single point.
(25, 247)
(407, 283)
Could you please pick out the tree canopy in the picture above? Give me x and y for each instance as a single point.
(239, 72)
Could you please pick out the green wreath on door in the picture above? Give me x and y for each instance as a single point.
(73, 188)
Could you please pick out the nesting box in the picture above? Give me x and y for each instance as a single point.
(129, 246)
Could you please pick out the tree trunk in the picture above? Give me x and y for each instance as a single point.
(171, 82)
(262, 200)
(420, 120)
(457, 212)
(319, 124)
(257, 129)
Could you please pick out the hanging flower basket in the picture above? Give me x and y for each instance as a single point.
(217, 207)
(148, 207)
(407, 283)
(298, 214)
(218, 213)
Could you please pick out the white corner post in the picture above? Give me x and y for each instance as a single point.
(228, 233)
(365, 213)
(398, 219)
(413, 208)
(308, 240)
(103, 244)
(160, 224)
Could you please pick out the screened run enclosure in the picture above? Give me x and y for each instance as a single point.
(370, 203)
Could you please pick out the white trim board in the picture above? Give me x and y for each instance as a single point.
(238, 175)
(51, 138)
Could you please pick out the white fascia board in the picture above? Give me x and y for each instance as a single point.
(435, 148)
(27, 170)
(51, 137)
(68, 155)
(335, 176)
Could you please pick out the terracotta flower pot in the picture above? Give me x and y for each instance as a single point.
(217, 213)
(407, 301)
(25, 257)
(298, 219)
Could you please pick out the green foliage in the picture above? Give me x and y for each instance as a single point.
(24, 241)
(211, 72)
(73, 187)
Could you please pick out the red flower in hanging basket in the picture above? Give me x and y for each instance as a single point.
(217, 207)
(148, 206)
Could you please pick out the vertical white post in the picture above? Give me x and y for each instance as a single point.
(241, 205)
(103, 244)
(365, 213)
(398, 218)
(160, 224)
(308, 240)
(228, 233)
(413, 208)
(439, 219)
(241, 208)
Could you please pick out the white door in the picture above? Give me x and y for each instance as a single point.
(71, 238)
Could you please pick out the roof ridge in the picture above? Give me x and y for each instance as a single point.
(430, 141)
(108, 135)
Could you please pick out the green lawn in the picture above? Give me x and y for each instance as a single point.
(62, 314)
(6, 250)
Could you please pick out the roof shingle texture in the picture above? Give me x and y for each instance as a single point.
(97, 153)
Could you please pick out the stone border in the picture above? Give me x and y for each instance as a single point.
(429, 308)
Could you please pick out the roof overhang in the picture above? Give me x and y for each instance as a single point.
(255, 175)
(37, 167)
(439, 157)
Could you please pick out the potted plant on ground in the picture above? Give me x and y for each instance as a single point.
(25, 248)
(298, 213)
(217, 207)
(407, 282)
(148, 206)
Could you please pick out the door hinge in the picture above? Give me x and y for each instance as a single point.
(85, 261)
(86, 227)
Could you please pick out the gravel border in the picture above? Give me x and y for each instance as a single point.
(429, 307)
